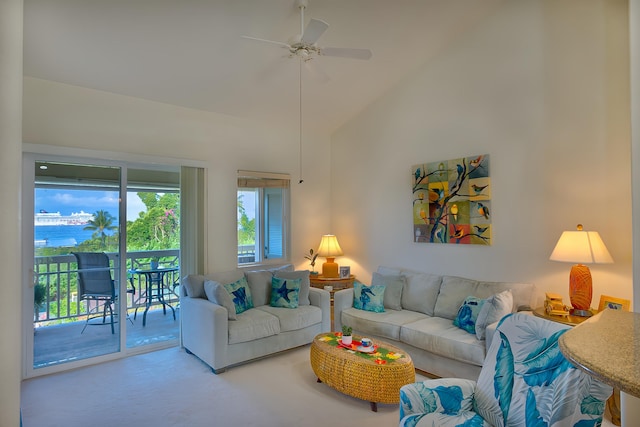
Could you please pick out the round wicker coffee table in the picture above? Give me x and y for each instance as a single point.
(375, 377)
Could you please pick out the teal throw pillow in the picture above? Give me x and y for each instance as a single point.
(368, 298)
(240, 295)
(468, 314)
(285, 292)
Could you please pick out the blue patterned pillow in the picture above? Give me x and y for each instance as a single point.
(285, 292)
(468, 314)
(240, 294)
(368, 298)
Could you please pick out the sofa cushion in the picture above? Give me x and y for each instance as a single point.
(454, 290)
(292, 320)
(439, 336)
(194, 283)
(468, 313)
(393, 289)
(260, 285)
(303, 275)
(421, 292)
(385, 325)
(240, 294)
(253, 324)
(495, 308)
(284, 292)
(217, 294)
(368, 298)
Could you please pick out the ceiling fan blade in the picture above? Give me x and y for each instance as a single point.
(345, 52)
(314, 30)
(267, 41)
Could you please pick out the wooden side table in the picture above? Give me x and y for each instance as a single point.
(613, 403)
(337, 284)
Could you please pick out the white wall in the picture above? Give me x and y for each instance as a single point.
(71, 116)
(10, 135)
(541, 86)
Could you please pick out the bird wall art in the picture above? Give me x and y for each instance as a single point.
(452, 201)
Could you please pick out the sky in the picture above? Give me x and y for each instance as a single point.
(89, 201)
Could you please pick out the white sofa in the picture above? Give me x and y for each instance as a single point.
(422, 324)
(210, 332)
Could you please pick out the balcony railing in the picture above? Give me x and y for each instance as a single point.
(59, 275)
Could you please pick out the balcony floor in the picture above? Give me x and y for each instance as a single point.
(64, 342)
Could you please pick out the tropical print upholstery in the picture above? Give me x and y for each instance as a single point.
(525, 381)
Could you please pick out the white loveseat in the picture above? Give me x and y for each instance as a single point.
(222, 339)
(422, 322)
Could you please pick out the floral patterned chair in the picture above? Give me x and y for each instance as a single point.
(525, 381)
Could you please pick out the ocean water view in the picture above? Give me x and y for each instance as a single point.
(60, 235)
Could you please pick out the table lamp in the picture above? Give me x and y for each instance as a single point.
(329, 248)
(581, 247)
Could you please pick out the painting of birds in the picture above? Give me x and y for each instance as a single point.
(458, 233)
(483, 210)
(480, 230)
(478, 189)
(454, 211)
(476, 162)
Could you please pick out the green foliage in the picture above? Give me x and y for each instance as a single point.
(102, 221)
(246, 226)
(158, 227)
(346, 330)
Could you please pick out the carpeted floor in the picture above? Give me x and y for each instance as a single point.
(172, 388)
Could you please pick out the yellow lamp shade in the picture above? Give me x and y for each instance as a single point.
(329, 248)
(581, 247)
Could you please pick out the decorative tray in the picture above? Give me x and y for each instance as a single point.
(355, 346)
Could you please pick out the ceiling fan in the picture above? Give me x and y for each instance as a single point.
(304, 45)
(305, 48)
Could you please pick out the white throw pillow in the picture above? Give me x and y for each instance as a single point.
(217, 294)
(393, 289)
(495, 308)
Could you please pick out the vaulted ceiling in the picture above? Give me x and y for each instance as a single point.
(191, 53)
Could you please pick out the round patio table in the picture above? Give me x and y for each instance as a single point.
(374, 377)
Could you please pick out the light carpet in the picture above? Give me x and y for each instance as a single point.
(172, 388)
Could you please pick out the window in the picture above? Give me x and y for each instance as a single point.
(263, 217)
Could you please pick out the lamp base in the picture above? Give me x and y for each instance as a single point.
(330, 269)
(580, 287)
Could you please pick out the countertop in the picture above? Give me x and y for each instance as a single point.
(607, 346)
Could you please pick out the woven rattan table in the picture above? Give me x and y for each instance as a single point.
(374, 377)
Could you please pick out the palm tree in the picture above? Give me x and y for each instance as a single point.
(102, 220)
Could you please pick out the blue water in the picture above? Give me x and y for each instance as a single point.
(60, 235)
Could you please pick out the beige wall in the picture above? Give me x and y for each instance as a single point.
(541, 86)
(10, 136)
(70, 116)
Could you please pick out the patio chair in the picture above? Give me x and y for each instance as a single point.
(95, 284)
(525, 380)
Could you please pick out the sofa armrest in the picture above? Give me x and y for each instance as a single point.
(322, 299)
(342, 300)
(412, 397)
(205, 330)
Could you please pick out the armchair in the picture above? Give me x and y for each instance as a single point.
(525, 381)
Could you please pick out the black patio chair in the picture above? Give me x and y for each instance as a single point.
(95, 284)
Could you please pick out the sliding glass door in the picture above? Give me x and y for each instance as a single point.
(106, 260)
(76, 275)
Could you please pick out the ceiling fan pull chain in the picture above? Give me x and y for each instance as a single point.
(300, 149)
